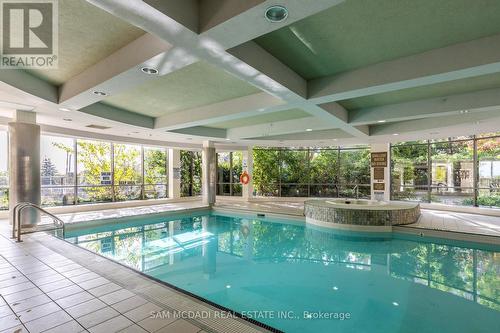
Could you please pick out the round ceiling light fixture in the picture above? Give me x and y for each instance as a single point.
(149, 70)
(276, 14)
(99, 93)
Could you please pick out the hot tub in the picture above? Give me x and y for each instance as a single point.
(360, 214)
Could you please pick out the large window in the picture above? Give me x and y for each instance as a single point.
(155, 173)
(4, 171)
(190, 173)
(229, 168)
(329, 172)
(95, 178)
(127, 172)
(456, 171)
(57, 170)
(105, 171)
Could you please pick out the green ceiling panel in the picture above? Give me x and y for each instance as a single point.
(358, 33)
(436, 90)
(263, 118)
(87, 34)
(192, 86)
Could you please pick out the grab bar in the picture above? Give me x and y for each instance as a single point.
(16, 218)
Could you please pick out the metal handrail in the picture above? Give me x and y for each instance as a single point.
(16, 218)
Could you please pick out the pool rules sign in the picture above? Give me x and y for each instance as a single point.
(378, 163)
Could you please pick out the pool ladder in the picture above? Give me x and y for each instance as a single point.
(16, 218)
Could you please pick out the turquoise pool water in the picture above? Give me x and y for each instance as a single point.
(285, 274)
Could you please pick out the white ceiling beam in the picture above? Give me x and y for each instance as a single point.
(117, 72)
(419, 125)
(232, 109)
(277, 128)
(233, 23)
(248, 62)
(459, 61)
(30, 84)
(452, 105)
(203, 131)
(327, 134)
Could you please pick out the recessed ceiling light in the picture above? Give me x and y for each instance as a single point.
(395, 303)
(276, 13)
(99, 93)
(67, 119)
(335, 288)
(381, 121)
(64, 109)
(149, 70)
(228, 286)
(464, 111)
(228, 139)
(395, 134)
(308, 129)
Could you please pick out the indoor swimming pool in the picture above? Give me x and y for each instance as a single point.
(299, 278)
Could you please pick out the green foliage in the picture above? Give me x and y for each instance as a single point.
(492, 200)
(190, 173)
(296, 169)
(48, 169)
(266, 172)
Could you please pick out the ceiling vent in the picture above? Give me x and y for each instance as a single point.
(98, 127)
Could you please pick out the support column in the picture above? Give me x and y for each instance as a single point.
(208, 173)
(24, 165)
(174, 173)
(247, 190)
(381, 172)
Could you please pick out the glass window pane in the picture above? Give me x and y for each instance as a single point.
(324, 166)
(237, 166)
(223, 167)
(452, 173)
(409, 172)
(127, 172)
(57, 170)
(94, 171)
(294, 166)
(4, 171)
(190, 173)
(266, 172)
(354, 167)
(488, 153)
(155, 166)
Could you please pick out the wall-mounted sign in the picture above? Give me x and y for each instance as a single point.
(378, 173)
(379, 186)
(379, 159)
(177, 173)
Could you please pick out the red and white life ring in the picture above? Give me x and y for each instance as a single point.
(244, 178)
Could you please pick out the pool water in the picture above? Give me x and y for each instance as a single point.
(299, 278)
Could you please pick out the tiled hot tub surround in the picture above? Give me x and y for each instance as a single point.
(319, 210)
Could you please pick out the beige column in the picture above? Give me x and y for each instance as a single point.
(208, 173)
(247, 190)
(24, 164)
(174, 173)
